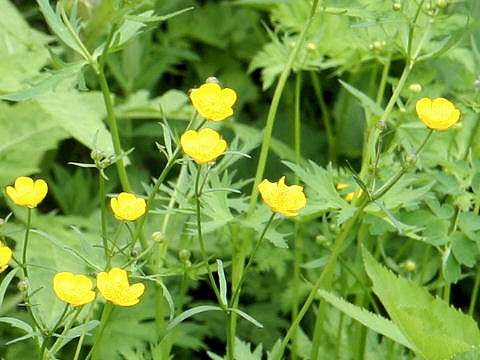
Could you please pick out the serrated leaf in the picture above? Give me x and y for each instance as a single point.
(451, 269)
(364, 99)
(373, 321)
(436, 330)
(464, 249)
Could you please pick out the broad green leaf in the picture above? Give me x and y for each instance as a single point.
(80, 114)
(27, 133)
(373, 321)
(473, 354)
(436, 330)
(464, 249)
(451, 268)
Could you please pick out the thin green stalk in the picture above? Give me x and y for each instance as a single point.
(272, 112)
(200, 237)
(406, 166)
(446, 292)
(84, 331)
(56, 346)
(425, 261)
(25, 242)
(251, 259)
(473, 299)
(324, 280)
(298, 240)
(111, 117)
(156, 187)
(383, 80)
(103, 214)
(94, 351)
(327, 121)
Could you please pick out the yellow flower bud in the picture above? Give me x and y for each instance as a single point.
(212, 102)
(437, 114)
(203, 146)
(73, 289)
(27, 192)
(410, 265)
(114, 287)
(282, 198)
(127, 206)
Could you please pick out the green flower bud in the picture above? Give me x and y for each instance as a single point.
(410, 265)
(23, 285)
(381, 125)
(442, 4)
(184, 255)
(411, 158)
(312, 46)
(415, 88)
(212, 80)
(97, 155)
(133, 253)
(158, 236)
(397, 6)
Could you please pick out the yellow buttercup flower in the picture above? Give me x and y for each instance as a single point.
(27, 192)
(5, 256)
(282, 198)
(127, 206)
(203, 146)
(73, 289)
(212, 102)
(437, 114)
(114, 287)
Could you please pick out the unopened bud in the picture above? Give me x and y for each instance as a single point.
(97, 155)
(410, 265)
(427, 6)
(397, 6)
(411, 158)
(212, 80)
(312, 46)
(184, 255)
(158, 236)
(23, 285)
(133, 253)
(415, 88)
(381, 125)
(442, 4)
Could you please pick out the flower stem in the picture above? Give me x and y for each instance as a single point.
(103, 212)
(94, 352)
(250, 261)
(323, 281)
(200, 237)
(25, 242)
(84, 331)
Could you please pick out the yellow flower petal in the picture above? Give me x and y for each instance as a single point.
(115, 288)
(212, 102)
(127, 206)
(437, 114)
(26, 192)
(73, 289)
(282, 198)
(203, 146)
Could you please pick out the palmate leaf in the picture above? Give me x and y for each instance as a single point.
(436, 330)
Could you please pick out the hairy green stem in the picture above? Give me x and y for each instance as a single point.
(25, 242)
(95, 350)
(84, 331)
(103, 214)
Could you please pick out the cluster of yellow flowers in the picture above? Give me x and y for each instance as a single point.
(77, 289)
(114, 286)
(215, 104)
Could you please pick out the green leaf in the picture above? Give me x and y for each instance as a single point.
(365, 100)
(473, 354)
(464, 249)
(50, 82)
(189, 313)
(57, 26)
(374, 322)
(451, 269)
(247, 317)
(223, 282)
(436, 330)
(5, 283)
(81, 115)
(17, 323)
